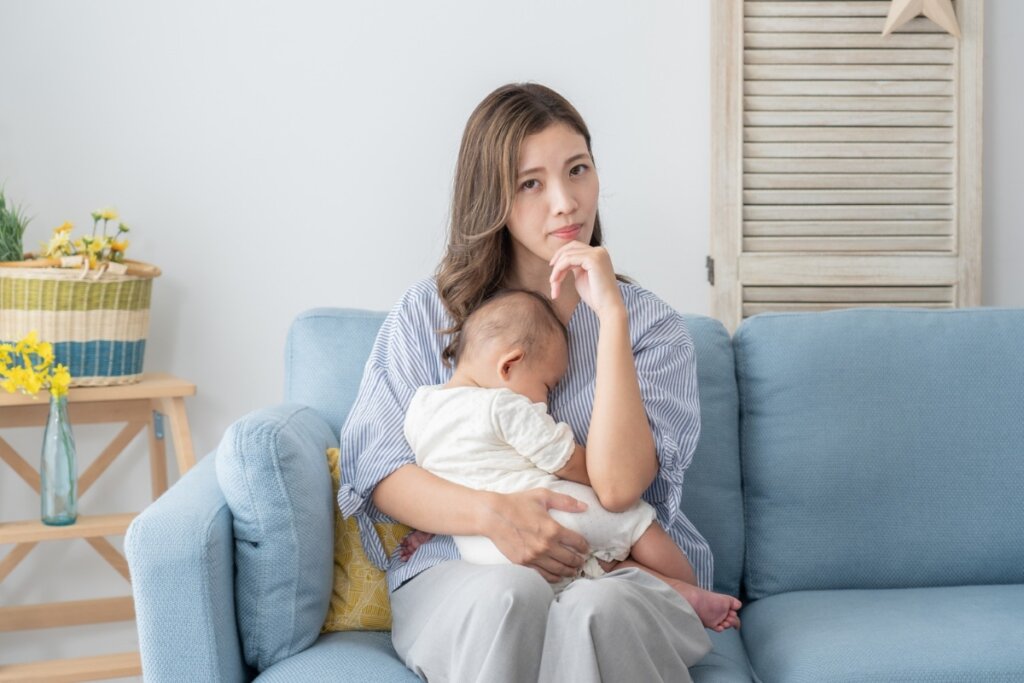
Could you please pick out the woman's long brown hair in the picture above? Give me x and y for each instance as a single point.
(479, 251)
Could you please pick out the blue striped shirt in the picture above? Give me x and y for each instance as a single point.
(407, 355)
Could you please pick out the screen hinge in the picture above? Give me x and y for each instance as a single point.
(710, 265)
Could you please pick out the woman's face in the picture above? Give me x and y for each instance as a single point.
(556, 197)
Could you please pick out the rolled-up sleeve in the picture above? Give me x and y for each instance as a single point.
(373, 443)
(667, 373)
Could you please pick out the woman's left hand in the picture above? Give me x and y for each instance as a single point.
(595, 278)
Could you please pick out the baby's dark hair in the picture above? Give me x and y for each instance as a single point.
(518, 317)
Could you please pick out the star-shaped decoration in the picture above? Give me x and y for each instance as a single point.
(939, 11)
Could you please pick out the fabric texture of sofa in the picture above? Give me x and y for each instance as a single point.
(858, 477)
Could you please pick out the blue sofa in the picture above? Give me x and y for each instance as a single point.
(860, 477)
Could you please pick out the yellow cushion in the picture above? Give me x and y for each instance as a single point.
(359, 599)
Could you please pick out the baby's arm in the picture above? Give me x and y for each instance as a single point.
(528, 429)
(576, 469)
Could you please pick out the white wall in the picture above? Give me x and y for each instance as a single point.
(272, 157)
(1003, 246)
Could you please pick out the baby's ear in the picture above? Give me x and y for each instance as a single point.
(509, 361)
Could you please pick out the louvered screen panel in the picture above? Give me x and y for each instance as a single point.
(770, 299)
(838, 158)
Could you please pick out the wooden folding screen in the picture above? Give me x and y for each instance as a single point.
(846, 166)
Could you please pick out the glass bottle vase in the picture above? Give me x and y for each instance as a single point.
(58, 471)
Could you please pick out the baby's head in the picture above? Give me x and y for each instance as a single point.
(513, 340)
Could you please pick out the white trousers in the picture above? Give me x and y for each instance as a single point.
(465, 623)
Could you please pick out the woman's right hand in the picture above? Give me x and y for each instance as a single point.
(526, 534)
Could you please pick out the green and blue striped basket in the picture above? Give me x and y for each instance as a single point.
(97, 325)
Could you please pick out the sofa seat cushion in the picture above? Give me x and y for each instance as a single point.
(966, 633)
(368, 657)
(726, 663)
(364, 656)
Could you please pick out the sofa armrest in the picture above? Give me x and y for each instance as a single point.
(180, 552)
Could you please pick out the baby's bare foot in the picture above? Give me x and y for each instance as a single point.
(716, 611)
(411, 543)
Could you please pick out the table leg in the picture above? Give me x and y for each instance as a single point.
(174, 408)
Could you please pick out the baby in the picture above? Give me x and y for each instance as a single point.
(488, 428)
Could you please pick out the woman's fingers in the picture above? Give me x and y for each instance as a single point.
(566, 537)
(554, 569)
(529, 536)
(563, 502)
(555, 558)
(556, 285)
(548, 576)
(573, 257)
(571, 247)
(561, 268)
(593, 274)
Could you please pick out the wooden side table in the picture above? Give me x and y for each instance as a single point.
(156, 402)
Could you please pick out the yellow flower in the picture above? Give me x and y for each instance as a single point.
(9, 386)
(45, 353)
(60, 381)
(64, 227)
(33, 382)
(26, 380)
(59, 245)
(119, 246)
(108, 214)
(28, 343)
(19, 373)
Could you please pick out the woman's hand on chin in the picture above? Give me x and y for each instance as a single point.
(594, 276)
(526, 534)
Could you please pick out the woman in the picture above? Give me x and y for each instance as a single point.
(524, 214)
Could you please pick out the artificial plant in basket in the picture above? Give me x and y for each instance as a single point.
(83, 296)
(12, 227)
(89, 252)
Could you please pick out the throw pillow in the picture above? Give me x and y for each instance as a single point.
(271, 468)
(359, 597)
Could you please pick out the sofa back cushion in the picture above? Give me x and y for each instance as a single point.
(325, 354)
(712, 499)
(882, 448)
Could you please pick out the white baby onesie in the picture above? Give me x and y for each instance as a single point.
(498, 440)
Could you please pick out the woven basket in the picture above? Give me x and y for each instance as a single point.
(97, 325)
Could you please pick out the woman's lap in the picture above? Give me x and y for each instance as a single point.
(464, 622)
